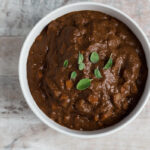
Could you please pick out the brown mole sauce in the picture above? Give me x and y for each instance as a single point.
(108, 99)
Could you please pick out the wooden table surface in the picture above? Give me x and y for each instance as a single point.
(20, 129)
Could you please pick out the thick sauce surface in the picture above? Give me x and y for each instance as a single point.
(108, 99)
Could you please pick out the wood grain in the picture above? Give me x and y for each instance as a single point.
(20, 129)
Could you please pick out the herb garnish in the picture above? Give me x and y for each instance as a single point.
(81, 66)
(73, 75)
(97, 73)
(109, 63)
(80, 58)
(94, 58)
(65, 63)
(80, 61)
(83, 84)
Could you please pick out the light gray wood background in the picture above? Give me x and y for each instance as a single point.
(19, 128)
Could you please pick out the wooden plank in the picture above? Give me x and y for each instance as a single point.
(12, 102)
(10, 48)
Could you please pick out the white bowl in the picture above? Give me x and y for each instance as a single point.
(37, 30)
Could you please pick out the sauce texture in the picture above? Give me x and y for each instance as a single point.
(112, 94)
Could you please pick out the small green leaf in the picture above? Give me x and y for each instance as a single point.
(94, 58)
(81, 66)
(97, 73)
(73, 75)
(83, 84)
(80, 58)
(108, 64)
(65, 63)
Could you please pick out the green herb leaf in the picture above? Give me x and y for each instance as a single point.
(80, 58)
(65, 63)
(83, 84)
(81, 66)
(108, 64)
(94, 58)
(97, 73)
(73, 75)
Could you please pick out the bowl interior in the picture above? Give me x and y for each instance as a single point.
(37, 30)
